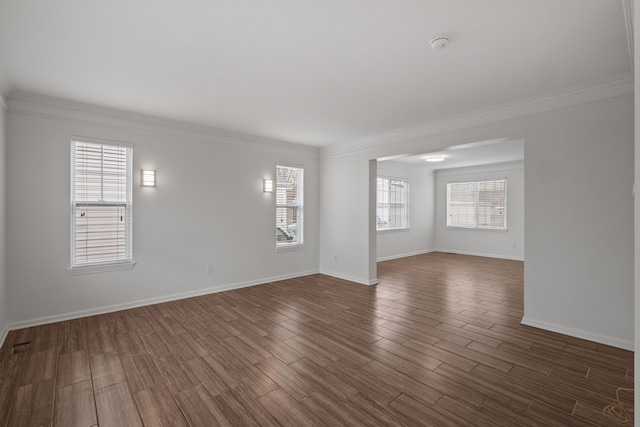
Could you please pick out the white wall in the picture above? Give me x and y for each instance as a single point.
(208, 207)
(498, 244)
(419, 238)
(344, 217)
(4, 305)
(636, 46)
(578, 160)
(579, 261)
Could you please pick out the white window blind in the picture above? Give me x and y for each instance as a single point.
(477, 204)
(392, 204)
(100, 203)
(289, 206)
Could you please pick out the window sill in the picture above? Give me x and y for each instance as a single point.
(100, 268)
(289, 248)
(387, 230)
(498, 230)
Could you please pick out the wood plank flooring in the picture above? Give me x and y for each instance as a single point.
(438, 342)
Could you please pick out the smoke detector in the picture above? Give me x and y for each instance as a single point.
(439, 43)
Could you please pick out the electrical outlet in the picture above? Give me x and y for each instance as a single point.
(209, 268)
(515, 245)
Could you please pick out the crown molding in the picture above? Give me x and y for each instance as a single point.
(27, 103)
(627, 7)
(622, 84)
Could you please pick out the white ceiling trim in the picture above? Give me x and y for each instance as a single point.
(627, 6)
(64, 110)
(614, 86)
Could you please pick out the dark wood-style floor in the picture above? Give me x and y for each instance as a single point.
(437, 342)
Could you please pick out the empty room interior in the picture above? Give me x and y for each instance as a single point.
(318, 213)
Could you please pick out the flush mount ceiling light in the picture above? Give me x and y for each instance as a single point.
(439, 43)
(434, 159)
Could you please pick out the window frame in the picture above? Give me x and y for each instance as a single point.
(298, 206)
(119, 263)
(407, 204)
(477, 200)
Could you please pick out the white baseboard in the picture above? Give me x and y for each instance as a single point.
(389, 258)
(349, 278)
(578, 333)
(140, 303)
(3, 334)
(452, 251)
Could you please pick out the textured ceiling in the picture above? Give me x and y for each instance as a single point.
(313, 72)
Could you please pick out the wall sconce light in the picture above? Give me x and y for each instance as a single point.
(267, 186)
(148, 178)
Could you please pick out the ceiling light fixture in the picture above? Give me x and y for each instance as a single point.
(434, 159)
(439, 43)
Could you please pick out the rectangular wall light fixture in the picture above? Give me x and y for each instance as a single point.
(148, 178)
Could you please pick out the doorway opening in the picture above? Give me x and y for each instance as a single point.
(413, 206)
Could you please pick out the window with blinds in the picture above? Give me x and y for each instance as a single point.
(289, 206)
(392, 204)
(477, 204)
(100, 203)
